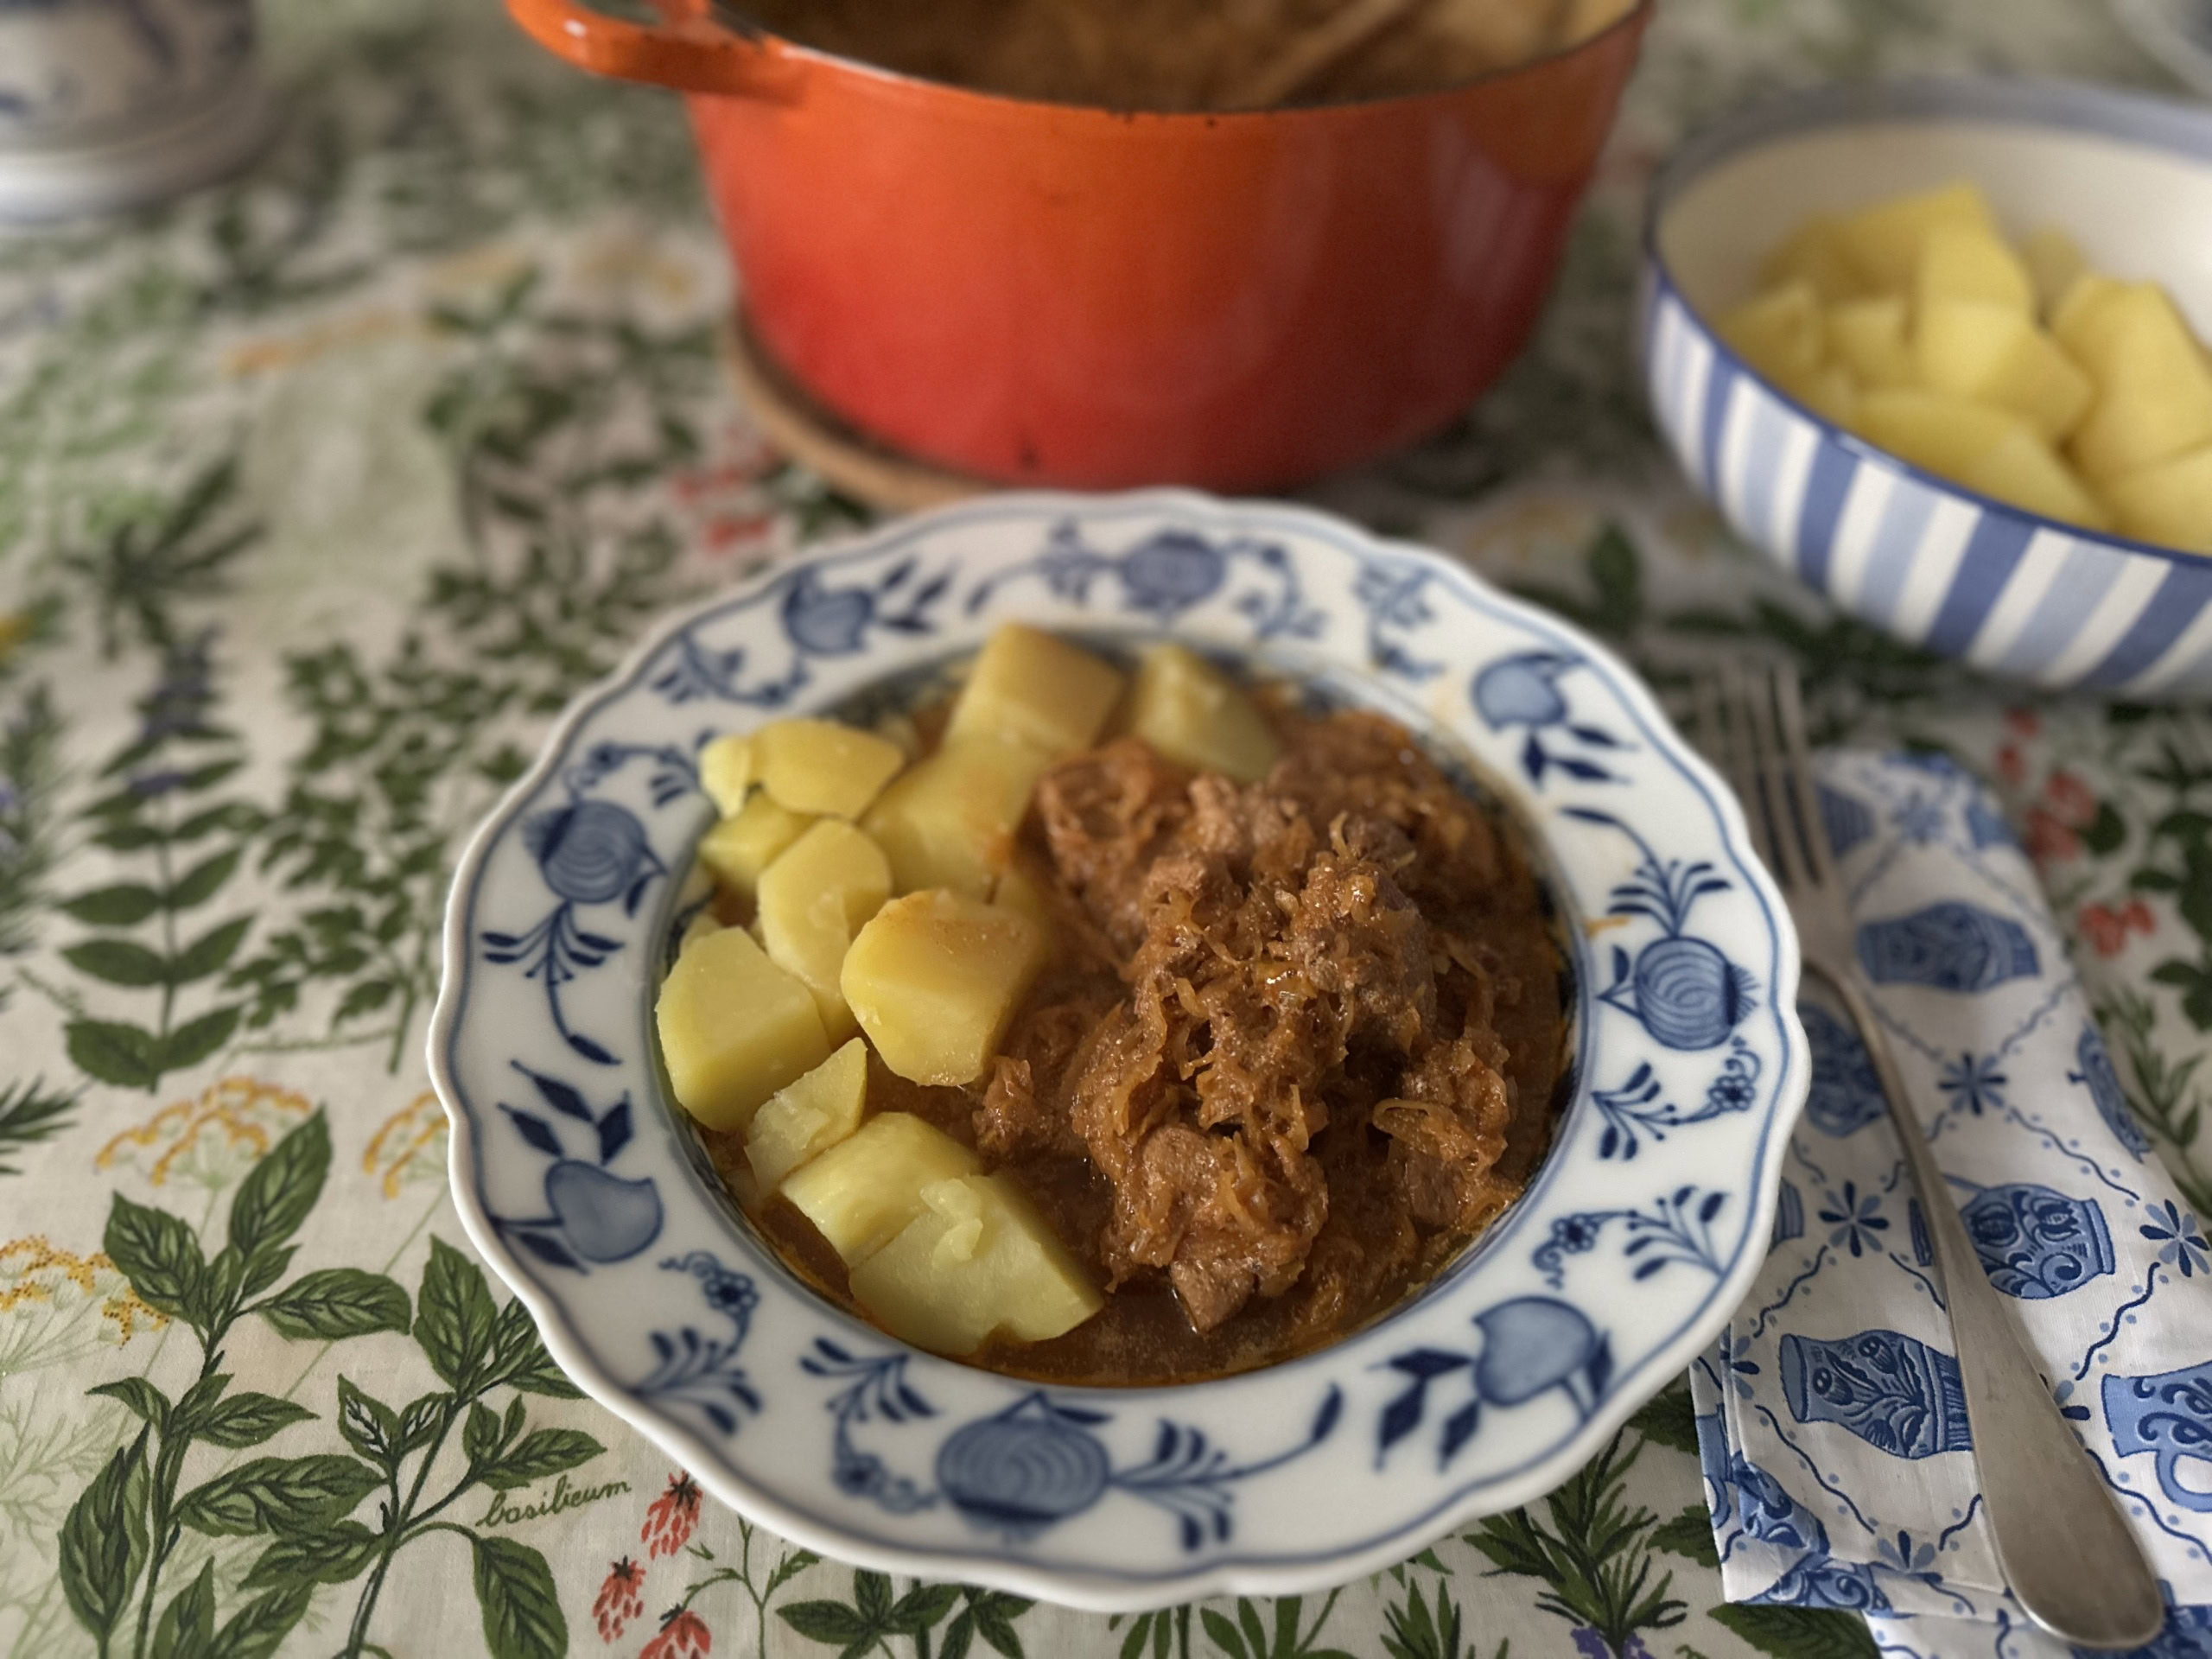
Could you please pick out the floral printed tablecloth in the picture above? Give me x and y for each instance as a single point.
(320, 493)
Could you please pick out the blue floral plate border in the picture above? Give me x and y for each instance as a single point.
(582, 1187)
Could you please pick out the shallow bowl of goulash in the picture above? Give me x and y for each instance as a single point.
(1122, 1047)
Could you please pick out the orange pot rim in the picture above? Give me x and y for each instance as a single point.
(571, 30)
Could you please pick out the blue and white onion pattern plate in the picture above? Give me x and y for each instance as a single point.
(583, 1186)
(2129, 177)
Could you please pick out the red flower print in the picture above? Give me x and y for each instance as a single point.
(2022, 722)
(2069, 797)
(2047, 838)
(2106, 929)
(2010, 766)
(620, 1599)
(684, 1635)
(670, 1517)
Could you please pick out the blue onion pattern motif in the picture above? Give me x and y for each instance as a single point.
(1040, 1462)
(1844, 819)
(1530, 1346)
(700, 1369)
(592, 1214)
(816, 620)
(589, 852)
(1524, 690)
(2093, 1071)
(592, 852)
(1687, 995)
(1169, 573)
(1026, 1469)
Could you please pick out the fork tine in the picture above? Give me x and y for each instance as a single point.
(1721, 733)
(1798, 755)
(1787, 774)
(1757, 757)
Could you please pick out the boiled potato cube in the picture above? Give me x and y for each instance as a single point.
(1970, 261)
(734, 1028)
(806, 1118)
(740, 846)
(1022, 889)
(2054, 261)
(1932, 429)
(726, 772)
(1883, 241)
(697, 928)
(1198, 716)
(950, 821)
(1868, 337)
(2154, 393)
(935, 978)
(1028, 687)
(2169, 502)
(862, 1193)
(978, 1260)
(1994, 353)
(2022, 469)
(1779, 332)
(2077, 321)
(1812, 253)
(813, 899)
(819, 766)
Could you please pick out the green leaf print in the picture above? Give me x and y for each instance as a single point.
(335, 1554)
(1669, 1417)
(164, 554)
(103, 1545)
(281, 1190)
(453, 1316)
(541, 1455)
(30, 779)
(157, 811)
(1411, 1631)
(257, 1628)
(30, 1113)
(1799, 1632)
(334, 1302)
(188, 1626)
(246, 1420)
(1690, 1534)
(158, 1254)
(116, 1052)
(521, 1608)
(278, 1495)
(1594, 1556)
(146, 1401)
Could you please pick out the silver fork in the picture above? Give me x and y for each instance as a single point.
(2065, 1547)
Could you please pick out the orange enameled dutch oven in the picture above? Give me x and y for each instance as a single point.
(1041, 293)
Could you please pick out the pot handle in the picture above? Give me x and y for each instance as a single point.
(689, 53)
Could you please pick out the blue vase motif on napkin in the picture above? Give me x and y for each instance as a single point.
(2034, 1243)
(1893, 1391)
(1948, 946)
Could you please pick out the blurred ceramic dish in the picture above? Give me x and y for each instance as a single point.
(105, 103)
(2178, 33)
(584, 1188)
(1044, 294)
(1933, 562)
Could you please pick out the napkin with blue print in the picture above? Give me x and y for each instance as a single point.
(1831, 1424)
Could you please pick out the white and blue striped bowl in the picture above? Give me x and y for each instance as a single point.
(2128, 177)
